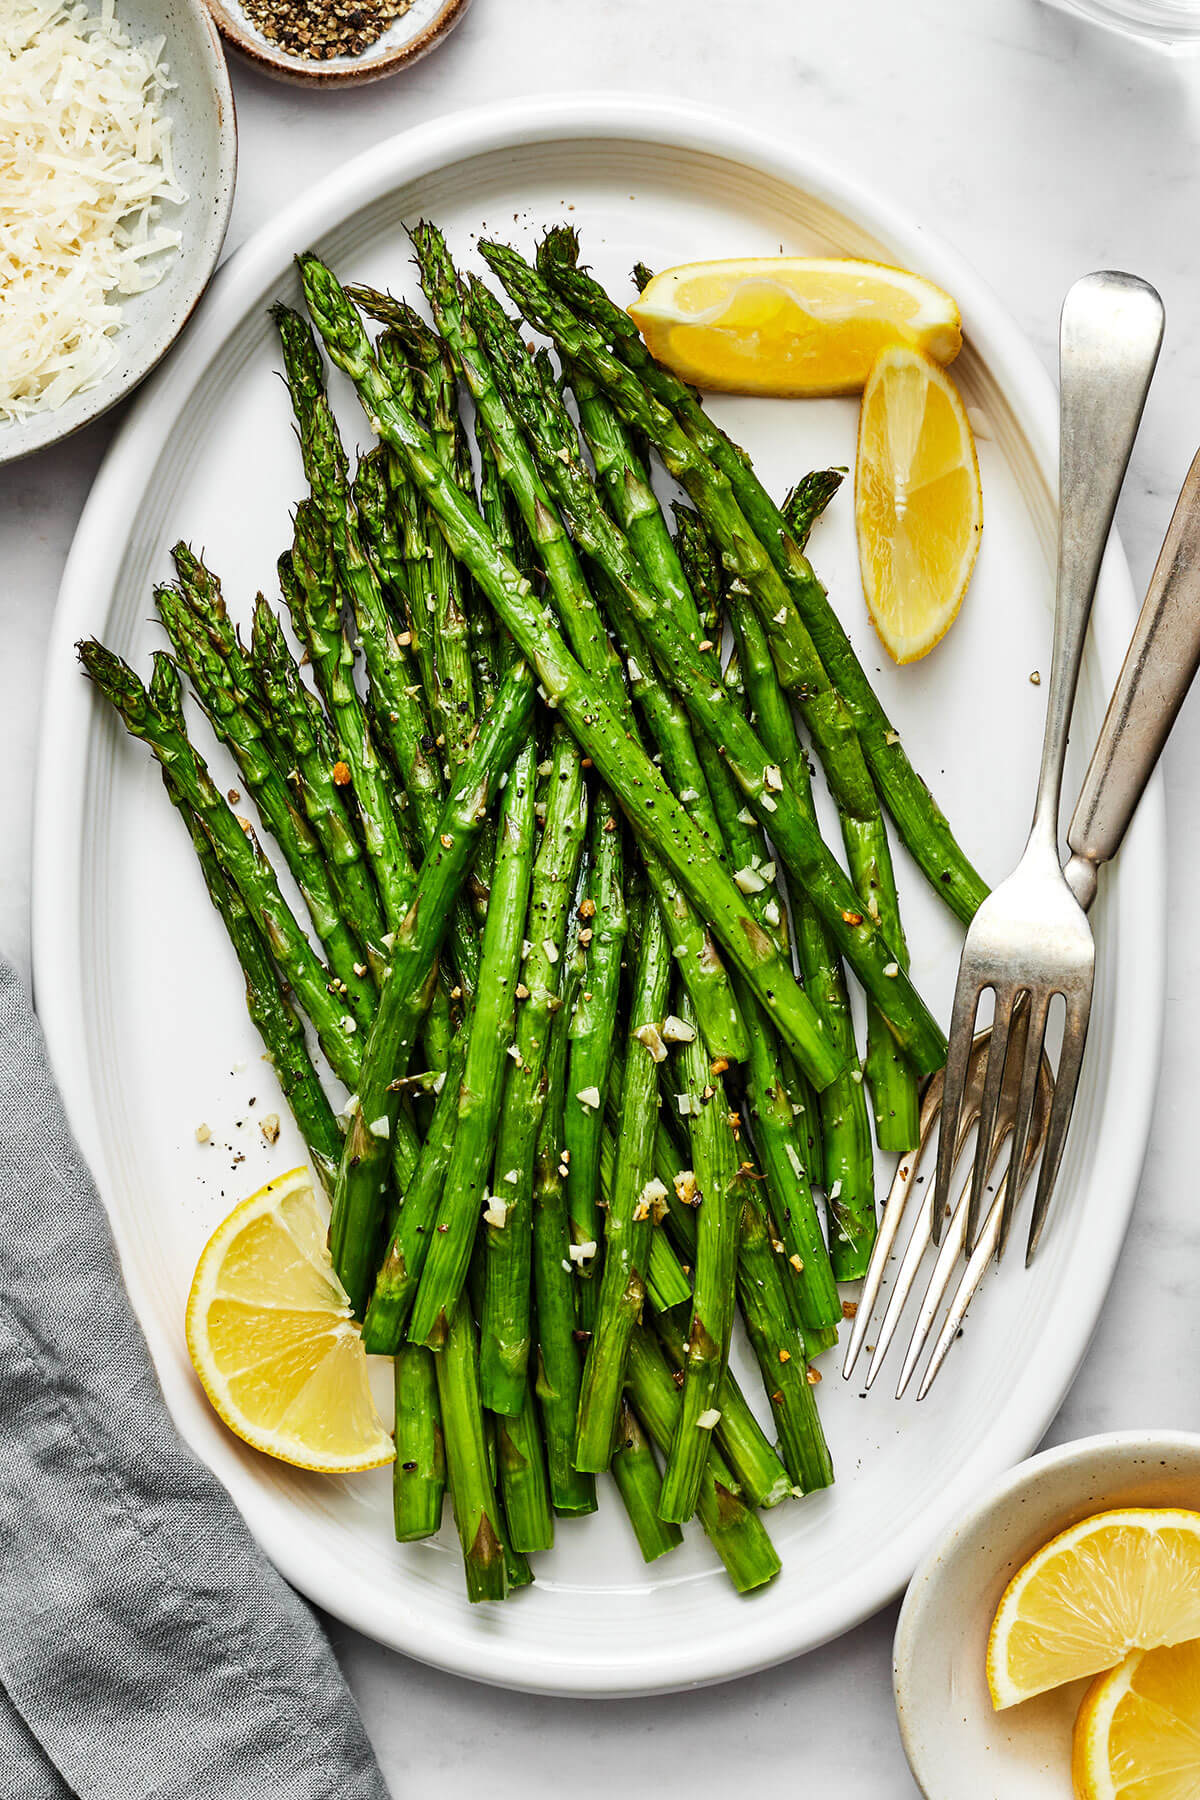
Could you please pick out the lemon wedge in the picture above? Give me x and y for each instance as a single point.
(1117, 1582)
(1137, 1736)
(918, 505)
(271, 1336)
(790, 325)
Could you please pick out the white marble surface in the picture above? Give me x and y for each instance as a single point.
(1041, 147)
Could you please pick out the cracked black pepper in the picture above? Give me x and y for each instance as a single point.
(321, 29)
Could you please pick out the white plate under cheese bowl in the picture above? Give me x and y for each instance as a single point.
(141, 997)
(955, 1743)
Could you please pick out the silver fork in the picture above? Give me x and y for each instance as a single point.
(1158, 670)
(1030, 940)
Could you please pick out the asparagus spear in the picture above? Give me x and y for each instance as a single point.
(779, 1350)
(920, 821)
(593, 1024)
(382, 536)
(629, 1224)
(361, 1182)
(487, 651)
(326, 468)
(449, 1253)
(296, 715)
(309, 585)
(419, 1472)
(294, 731)
(635, 1470)
(651, 808)
(237, 852)
(236, 726)
(715, 1164)
(761, 1478)
(707, 701)
(667, 1283)
(559, 1366)
(521, 1460)
(736, 1533)
(400, 1270)
(804, 504)
(452, 698)
(468, 1464)
(505, 1320)
(266, 999)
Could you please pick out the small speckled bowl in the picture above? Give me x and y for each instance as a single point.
(422, 27)
(205, 150)
(956, 1745)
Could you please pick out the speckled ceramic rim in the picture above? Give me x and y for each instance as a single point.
(753, 1641)
(303, 73)
(216, 223)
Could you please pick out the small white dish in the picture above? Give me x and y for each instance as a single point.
(204, 140)
(955, 1743)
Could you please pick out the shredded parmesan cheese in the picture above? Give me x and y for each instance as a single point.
(85, 166)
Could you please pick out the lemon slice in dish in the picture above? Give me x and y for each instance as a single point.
(1137, 1736)
(790, 325)
(918, 505)
(271, 1335)
(1117, 1582)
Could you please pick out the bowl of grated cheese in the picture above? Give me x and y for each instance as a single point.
(118, 150)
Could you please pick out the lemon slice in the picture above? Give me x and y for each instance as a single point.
(1137, 1736)
(1117, 1582)
(917, 502)
(271, 1335)
(790, 325)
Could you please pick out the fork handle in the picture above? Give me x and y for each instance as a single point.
(1158, 670)
(1109, 339)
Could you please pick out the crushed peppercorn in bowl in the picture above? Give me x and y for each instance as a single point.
(335, 43)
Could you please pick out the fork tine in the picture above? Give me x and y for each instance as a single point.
(918, 1240)
(943, 1268)
(1035, 1038)
(1062, 1106)
(985, 1150)
(954, 1080)
(964, 1293)
(889, 1226)
(898, 1197)
(978, 1262)
(947, 1260)
(906, 1274)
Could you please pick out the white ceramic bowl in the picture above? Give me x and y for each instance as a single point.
(205, 145)
(956, 1745)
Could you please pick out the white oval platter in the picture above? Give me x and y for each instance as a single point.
(142, 1002)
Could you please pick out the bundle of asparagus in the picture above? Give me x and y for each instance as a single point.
(560, 866)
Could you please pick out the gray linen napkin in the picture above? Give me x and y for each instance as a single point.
(147, 1649)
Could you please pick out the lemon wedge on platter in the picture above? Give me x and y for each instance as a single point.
(272, 1338)
(918, 504)
(791, 325)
